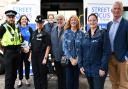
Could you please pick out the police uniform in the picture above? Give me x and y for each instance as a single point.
(40, 41)
(10, 40)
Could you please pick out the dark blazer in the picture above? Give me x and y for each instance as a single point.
(121, 40)
(48, 28)
(56, 41)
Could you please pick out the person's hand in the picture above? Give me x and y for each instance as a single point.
(82, 70)
(44, 61)
(26, 50)
(126, 59)
(29, 58)
(74, 61)
(101, 73)
(127, 62)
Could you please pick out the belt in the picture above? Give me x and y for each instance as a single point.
(13, 50)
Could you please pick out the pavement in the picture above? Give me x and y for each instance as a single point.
(52, 83)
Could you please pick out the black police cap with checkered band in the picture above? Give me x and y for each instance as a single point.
(10, 13)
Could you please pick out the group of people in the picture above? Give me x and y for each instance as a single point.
(105, 52)
(93, 53)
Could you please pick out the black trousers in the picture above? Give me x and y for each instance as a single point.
(39, 71)
(61, 75)
(11, 57)
(72, 76)
(23, 59)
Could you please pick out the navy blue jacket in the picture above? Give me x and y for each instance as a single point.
(94, 53)
(56, 41)
(121, 40)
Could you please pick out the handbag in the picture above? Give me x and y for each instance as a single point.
(64, 61)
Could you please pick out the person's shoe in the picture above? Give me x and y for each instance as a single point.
(27, 83)
(19, 84)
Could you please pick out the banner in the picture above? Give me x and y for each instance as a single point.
(30, 10)
(103, 11)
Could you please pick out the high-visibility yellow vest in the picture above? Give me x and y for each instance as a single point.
(11, 36)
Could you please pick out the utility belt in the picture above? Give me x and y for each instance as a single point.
(12, 48)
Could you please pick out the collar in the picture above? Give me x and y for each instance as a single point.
(94, 31)
(60, 28)
(23, 27)
(118, 20)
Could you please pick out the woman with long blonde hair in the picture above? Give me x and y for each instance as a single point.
(71, 45)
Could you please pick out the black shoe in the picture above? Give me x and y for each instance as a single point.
(18, 86)
(28, 85)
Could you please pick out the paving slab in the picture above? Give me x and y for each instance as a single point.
(52, 83)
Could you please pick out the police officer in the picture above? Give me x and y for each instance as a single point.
(11, 41)
(40, 46)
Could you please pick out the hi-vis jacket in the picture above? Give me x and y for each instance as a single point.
(11, 36)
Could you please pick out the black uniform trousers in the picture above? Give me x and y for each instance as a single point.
(11, 56)
(24, 59)
(39, 71)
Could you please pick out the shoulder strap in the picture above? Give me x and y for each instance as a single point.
(9, 28)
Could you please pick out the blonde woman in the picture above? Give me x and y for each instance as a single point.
(71, 45)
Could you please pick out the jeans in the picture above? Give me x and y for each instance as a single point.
(96, 82)
(72, 77)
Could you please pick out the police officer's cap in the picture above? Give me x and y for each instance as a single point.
(39, 19)
(10, 13)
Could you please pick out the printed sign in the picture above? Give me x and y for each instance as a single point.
(103, 11)
(30, 10)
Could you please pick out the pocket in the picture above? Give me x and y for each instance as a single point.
(78, 43)
(69, 44)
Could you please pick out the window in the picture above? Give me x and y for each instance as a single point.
(65, 13)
